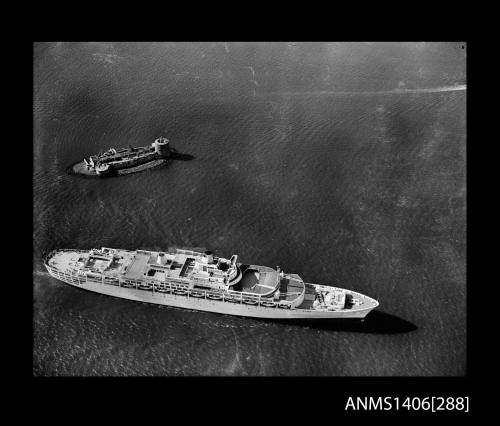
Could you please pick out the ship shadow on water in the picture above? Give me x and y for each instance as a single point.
(376, 322)
(179, 156)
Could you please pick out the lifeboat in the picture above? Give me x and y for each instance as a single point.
(196, 293)
(180, 292)
(92, 276)
(268, 304)
(162, 289)
(283, 306)
(145, 286)
(250, 301)
(214, 296)
(232, 299)
(129, 285)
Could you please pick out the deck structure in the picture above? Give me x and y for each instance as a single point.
(199, 280)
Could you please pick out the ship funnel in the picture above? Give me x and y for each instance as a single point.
(161, 147)
(160, 260)
(210, 257)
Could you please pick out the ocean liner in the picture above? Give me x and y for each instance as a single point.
(125, 160)
(197, 279)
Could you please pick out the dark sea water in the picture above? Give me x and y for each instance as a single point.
(305, 156)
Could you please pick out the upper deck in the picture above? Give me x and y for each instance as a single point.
(114, 155)
(188, 267)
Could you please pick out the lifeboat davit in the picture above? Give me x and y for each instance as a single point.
(214, 296)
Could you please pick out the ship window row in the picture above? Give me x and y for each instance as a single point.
(241, 296)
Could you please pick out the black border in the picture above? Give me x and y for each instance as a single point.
(232, 393)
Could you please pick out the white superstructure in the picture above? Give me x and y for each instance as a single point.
(199, 280)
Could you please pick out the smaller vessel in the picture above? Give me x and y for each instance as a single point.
(126, 160)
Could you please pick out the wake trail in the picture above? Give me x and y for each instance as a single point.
(381, 92)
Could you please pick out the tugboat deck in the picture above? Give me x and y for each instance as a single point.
(126, 155)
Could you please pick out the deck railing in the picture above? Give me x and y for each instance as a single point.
(229, 296)
(155, 286)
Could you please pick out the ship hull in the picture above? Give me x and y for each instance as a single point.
(81, 169)
(201, 304)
